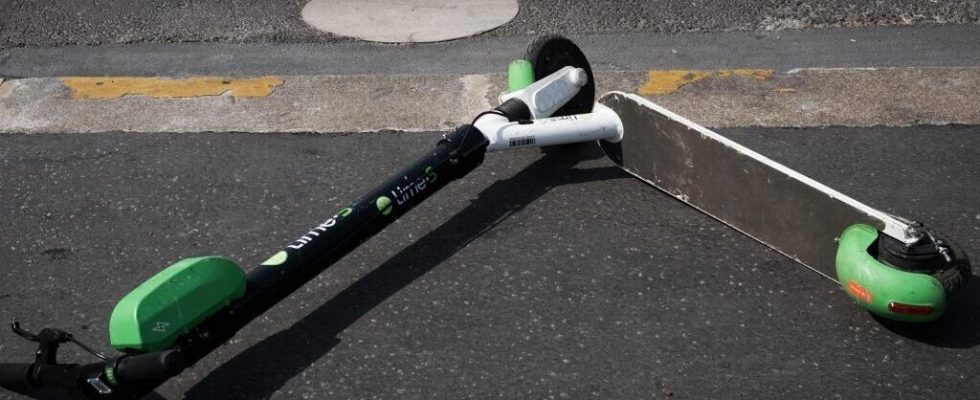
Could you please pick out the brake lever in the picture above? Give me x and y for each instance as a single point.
(15, 326)
(49, 339)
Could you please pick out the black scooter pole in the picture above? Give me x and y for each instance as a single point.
(455, 156)
(131, 376)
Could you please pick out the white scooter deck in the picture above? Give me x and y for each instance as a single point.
(767, 201)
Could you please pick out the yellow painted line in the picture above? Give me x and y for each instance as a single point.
(669, 81)
(169, 88)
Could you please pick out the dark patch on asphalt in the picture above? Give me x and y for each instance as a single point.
(537, 276)
(57, 254)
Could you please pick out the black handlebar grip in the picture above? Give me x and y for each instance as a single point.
(14, 376)
(150, 368)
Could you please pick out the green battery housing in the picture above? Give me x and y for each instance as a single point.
(174, 301)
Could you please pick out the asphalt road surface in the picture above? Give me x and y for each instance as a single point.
(908, 46)
(538, 276)
(69, 22)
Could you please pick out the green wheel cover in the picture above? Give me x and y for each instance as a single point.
(875, 285)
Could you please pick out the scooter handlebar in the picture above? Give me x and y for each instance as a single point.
(151, 368)
(14, 376)
(124, 377)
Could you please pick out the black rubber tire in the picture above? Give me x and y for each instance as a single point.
(551, 53)
(955, 275)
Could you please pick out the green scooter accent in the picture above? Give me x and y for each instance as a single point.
(172, 302)
(881, 288)
(520, 74)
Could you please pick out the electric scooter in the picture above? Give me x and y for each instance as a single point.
(893, 267)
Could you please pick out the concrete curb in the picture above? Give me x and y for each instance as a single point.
(852, 97)
(361, 103)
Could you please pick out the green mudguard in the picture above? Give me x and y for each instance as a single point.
(172, 302)
(881, 288)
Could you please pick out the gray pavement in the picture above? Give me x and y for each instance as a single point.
(367, 103)
(906, 46)
(69, 22)
(370, 87)
(538, 276)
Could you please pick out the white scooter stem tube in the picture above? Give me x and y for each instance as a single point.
(601, 124)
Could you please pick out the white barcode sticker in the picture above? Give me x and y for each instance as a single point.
(522, 141)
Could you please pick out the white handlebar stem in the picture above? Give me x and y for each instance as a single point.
(601, 124)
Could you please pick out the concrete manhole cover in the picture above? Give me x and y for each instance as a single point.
(408, 21)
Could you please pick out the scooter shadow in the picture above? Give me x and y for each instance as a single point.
(264, 368)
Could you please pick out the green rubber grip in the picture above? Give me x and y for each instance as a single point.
(882, 289)
(520, 74)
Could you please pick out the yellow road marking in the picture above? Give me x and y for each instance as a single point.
(169, 88)
(669, 81)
